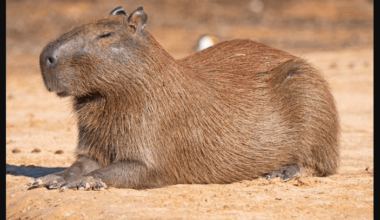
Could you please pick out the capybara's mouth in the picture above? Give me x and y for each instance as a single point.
(93, 96)
(63, 94)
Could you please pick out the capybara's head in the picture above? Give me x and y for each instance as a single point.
(92, 56)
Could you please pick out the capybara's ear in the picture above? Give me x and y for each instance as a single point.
(137, 19)
(118, 11)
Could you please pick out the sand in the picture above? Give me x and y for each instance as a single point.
(41, 134)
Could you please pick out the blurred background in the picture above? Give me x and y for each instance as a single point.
(292, 25)
(336, 36)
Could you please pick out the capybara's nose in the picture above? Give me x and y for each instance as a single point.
(51, 61)
(49, 57)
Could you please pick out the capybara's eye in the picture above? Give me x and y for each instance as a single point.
(105, 35)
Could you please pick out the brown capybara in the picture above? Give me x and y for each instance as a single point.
(236, 111)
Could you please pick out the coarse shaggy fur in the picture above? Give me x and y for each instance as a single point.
(235, 111)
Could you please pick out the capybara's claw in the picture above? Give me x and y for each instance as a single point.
(99, 186)
(54, 185)
(51, 181)
(63, 187)
(82, 186)
(285, 173)
(84, 183)
(35, 183)
(272, 175)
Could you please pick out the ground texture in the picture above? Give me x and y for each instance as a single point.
(335, 36)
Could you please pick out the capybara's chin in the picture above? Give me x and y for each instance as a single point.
(238, 110)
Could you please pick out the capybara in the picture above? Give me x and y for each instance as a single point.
(236, 111)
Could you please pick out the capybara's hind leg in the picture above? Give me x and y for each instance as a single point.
(286, 173)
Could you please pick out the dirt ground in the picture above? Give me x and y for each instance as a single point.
(335, 36)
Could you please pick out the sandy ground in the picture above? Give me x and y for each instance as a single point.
(41, 131)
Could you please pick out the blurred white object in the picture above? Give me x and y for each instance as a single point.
(257, 6)
(206, 41)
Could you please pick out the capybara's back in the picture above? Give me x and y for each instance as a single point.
(235, 111)
(265, 108)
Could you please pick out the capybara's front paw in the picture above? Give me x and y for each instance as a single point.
(51, 181)
(286, 173)
(84, 183)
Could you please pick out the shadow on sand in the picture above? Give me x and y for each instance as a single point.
(31, 171)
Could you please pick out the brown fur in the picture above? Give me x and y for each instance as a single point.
(232, 112)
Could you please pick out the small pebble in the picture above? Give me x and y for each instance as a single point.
(59, 152)
(36, 150)
(16, 151)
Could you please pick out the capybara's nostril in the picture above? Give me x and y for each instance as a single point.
(51, 61)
